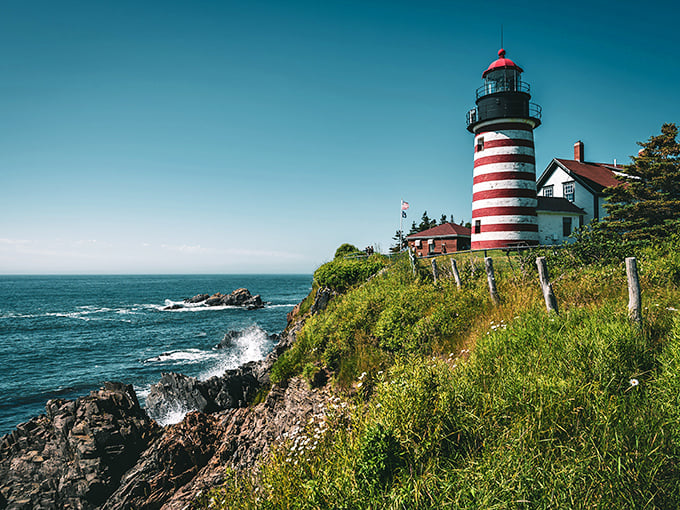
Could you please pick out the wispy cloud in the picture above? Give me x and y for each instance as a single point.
(15, 242)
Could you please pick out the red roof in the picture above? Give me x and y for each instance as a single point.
(445, 230)
(597, 175)
(501, 63)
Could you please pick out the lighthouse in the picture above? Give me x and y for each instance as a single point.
(504, 183)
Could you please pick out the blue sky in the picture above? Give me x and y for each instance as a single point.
(257, 136)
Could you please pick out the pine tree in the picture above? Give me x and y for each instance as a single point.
(398, 236)
(443, 219)
(425, 222)
(647, 204)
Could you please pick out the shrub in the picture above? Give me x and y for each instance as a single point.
(345, 250)
(341, 274)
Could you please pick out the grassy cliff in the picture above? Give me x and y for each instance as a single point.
(447, 400)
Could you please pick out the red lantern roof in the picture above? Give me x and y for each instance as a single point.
(501, 63)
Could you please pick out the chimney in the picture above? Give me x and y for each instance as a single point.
(578, 151)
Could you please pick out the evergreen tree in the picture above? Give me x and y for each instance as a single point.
(443, 219)
(414, 229)
(647, 204)
(425, 222)
(398, 236)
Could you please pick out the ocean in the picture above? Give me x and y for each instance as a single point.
(63, 336)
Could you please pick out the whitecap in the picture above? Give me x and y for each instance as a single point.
(252, 344)
(174, 414)
(182, 355)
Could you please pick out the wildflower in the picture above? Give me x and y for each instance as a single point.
(633, 382)
(359, 385)
(363, 374)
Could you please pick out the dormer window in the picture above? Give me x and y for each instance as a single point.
(548, 191)
(568, 190)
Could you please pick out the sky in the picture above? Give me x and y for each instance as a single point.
(257, 136)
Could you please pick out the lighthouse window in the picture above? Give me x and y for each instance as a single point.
(478, 226)
(568, 190)
(480, 144)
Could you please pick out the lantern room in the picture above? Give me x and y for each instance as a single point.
(503, 95)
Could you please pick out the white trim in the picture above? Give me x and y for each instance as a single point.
(504, 202)
(506, 134)
(513, 166)
(502, 151)
(505, 184)
(501, 236)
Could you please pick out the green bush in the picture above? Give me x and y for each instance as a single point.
(345, 250)
(340, 274)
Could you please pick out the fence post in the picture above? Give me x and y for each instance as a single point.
(434, 270)
(634, 302)
(472, 266)
(548, 295)
(456, 275)
(492, 280)
(411, 257)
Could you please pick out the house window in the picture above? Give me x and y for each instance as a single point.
(478, 226)
(566, 227)
(443, 247)
(418, 243)
(480, 144)
(548, 191)
(430, 246)
(568, 190)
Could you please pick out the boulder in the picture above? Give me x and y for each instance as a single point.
(323, 296)
(198, 298)
(74, 455)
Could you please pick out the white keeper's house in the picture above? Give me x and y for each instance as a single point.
(570, 194)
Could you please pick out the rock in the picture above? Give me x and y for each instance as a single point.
(323, 296)
(235, 388)
(176, 306)
(75, 454)
(198, 298)
(191, 456)
(239, 297)
(243, 297)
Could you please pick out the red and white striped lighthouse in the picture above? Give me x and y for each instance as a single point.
(504, 184)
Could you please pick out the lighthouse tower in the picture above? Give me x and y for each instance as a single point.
(504, 184)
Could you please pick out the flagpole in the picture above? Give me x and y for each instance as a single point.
(401, 220)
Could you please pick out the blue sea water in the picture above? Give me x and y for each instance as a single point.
(63, 336)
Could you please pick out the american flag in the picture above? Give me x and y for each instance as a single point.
(404, 205)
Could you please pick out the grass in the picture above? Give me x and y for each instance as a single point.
(452, 402)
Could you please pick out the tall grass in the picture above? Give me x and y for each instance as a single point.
(451, 402)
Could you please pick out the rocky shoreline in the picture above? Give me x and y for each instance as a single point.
(104, 451)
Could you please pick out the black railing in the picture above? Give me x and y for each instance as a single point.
(472, 115)
(493, 87)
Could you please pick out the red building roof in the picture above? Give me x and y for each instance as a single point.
(501, 63)
(598, 174)
(595, 176)
(445, 230)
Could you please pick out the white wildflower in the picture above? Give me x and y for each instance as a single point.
(633, 382)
